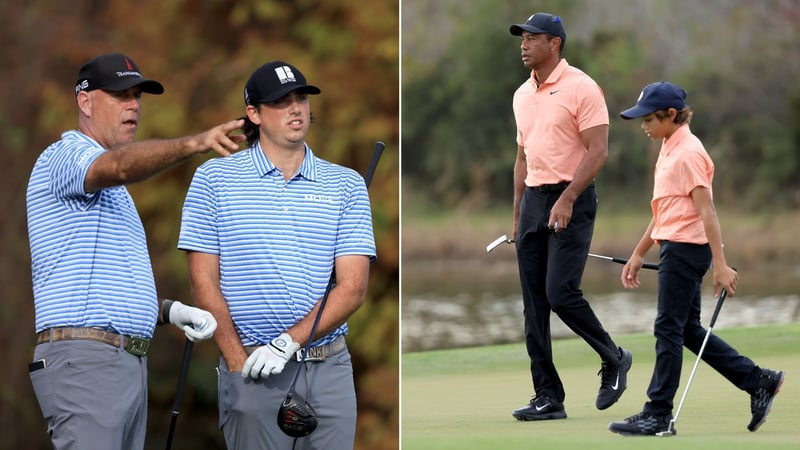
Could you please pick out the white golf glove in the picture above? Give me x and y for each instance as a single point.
(198, 324)
(270, 358)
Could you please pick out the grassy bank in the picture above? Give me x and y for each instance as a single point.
(462, 399)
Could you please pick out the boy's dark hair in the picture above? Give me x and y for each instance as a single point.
(683, 116)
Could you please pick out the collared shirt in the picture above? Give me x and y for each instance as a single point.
(276, 239)
(682, 166)
(550, 119)
(90, 264)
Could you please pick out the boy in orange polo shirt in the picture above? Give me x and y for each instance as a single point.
(686, 227)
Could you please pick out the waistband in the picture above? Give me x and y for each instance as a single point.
(315, 354)
(133, 345)
(558, 187)
(548, 188)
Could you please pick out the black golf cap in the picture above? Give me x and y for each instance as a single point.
(273, 81)
(114, 72)
(656, 96)
(541, 23)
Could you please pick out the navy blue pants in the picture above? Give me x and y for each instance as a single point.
(680, 275)
(550, 268)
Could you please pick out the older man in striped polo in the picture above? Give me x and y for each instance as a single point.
(93, 287)
(263, 231)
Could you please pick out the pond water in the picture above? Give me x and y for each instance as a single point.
(448, 305)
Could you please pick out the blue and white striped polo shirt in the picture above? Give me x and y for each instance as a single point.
(276, 240)
(90, 264)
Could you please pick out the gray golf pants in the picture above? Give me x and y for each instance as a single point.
(92, 395)
(248, 409)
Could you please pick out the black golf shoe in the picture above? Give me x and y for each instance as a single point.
(642, 424)
(613, 380)
(541, 407)
(761, 400)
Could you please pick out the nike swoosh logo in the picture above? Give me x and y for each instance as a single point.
(553, 92)
(542, 407)
(616, 383)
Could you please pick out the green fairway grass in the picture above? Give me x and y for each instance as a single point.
(462, 399)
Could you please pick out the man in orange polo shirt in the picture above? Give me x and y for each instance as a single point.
(562, 139)
(686, 227)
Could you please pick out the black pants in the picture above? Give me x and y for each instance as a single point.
(550, 268)
(680, 275)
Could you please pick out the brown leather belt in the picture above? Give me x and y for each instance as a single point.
(133, 345)
(315, 354)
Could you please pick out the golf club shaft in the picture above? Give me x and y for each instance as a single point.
(714, 316)
(376, 156)
(650, 266)
(187, 356)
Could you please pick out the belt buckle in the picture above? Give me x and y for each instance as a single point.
(137, 346)
(315, 354)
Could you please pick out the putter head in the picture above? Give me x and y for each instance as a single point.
(296, 417)
(501, 240)
(670, 431)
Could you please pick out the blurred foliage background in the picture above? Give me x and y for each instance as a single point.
(739, 61)
(202, 51)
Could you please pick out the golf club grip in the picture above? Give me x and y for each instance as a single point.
(650, 266)
(714, 316)
(187, 357)
(373, 164)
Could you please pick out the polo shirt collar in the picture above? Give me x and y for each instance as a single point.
(308, 169)
(559, 70)
(670, 144)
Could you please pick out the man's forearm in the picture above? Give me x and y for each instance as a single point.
(138, 161)
(204, 274)
(587, 171)
(343, 300)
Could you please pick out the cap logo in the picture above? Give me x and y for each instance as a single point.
(130, 73)
(81, 86)
(128, 64)
(285, 74)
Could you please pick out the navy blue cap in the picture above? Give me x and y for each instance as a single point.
(654, 97)
(541, 23)
(273, 81)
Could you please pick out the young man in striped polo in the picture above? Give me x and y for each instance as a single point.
(264, 230)
(94, 293)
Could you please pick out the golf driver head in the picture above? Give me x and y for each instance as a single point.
(296, 417)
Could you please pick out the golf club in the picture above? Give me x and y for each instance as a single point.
(296, 417)
(671, 429)
(187, 356)
(505, 240)
(496, 243)
(650, 266)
